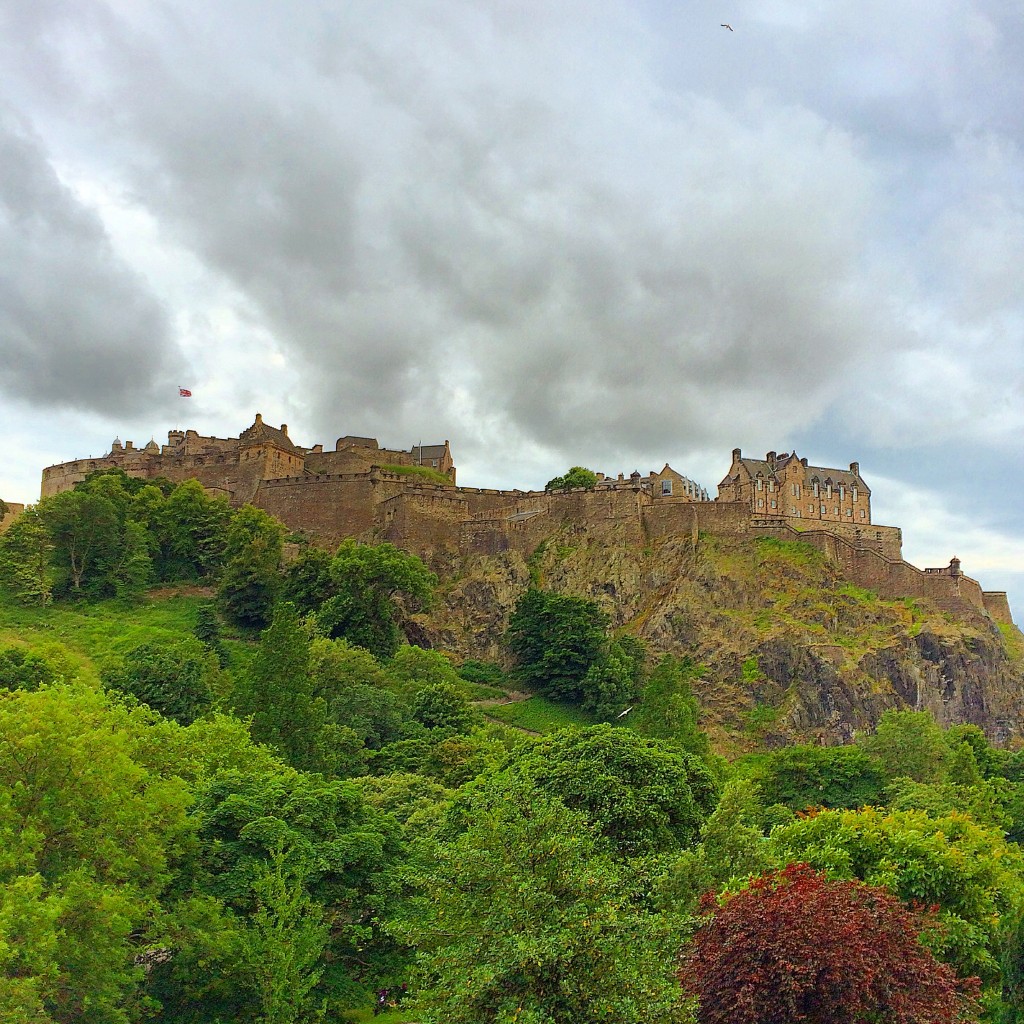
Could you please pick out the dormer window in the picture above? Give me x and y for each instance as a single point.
(666, 487)
(842, 492)
(760, 483)
(854, 493)
(814, 487)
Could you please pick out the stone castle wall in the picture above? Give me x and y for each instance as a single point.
(997, 606)
(14, 509)
(345, 493)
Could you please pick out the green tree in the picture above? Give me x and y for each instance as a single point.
(340, 852)
(805, 776)
(555, 639)
(26, 559)
(642, 796)
(192, 530)
(367, 581)
(85, 532)
(732, 848)
(177, 679)
(89, 840)
(668, 709)
(277, 694)
(412, 668)
(578, 476)
(613, 681)
(307, 581)
(283, 944)
(908, 744)
(443, 706)
(968, 871)
(337, 666)
(524, 918)
(249, 582)
(207, 631)
(21, 669)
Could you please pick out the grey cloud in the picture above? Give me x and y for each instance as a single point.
(485, 221)
(77, 327)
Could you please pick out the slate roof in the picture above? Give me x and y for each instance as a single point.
(261, 433)
(823, 473)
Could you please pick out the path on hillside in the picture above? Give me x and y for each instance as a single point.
(512, 697)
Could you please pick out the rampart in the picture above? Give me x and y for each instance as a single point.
(357, 490)
(14, 509)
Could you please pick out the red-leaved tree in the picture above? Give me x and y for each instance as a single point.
(795, 946)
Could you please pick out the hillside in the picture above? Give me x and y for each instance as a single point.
(790, 650)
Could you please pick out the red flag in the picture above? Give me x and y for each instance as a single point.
(184, 393)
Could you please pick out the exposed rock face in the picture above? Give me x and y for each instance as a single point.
(791, 652)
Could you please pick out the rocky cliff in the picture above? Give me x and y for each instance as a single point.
(790, 650)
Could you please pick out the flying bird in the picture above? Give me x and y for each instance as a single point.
(622, 714)
(729, 27)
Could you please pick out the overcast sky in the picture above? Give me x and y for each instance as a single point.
(554, 232)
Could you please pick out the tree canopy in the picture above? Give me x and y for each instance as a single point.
(795, 946)
(578, 476)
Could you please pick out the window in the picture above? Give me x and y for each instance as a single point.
(842, 492)
(862, 513)
(774, 503)
(835, 511)
(771, 485)
(666, 486)
(855, 494)
(760, 483)
(760, 502)
(822, 509)
(810, 508)
(849, 511)
(814, 487)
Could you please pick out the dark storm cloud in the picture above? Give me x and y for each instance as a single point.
(77, 327)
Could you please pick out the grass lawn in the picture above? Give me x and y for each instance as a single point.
(392, 1017)
(538, 714)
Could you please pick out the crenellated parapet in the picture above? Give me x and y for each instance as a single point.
(410, 497)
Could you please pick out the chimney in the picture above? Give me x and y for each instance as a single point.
(770, 458)
(855, 468)
(259, 417)
(284, 429)
(736, 455)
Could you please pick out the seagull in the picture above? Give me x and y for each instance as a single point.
(729, 27)
(623, 714)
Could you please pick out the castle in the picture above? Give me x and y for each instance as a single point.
(410, 498)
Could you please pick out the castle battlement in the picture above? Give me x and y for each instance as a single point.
(355, 491)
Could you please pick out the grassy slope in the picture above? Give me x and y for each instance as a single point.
(80, 637)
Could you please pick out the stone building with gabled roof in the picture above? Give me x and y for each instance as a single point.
(236, 467)
(785, 485)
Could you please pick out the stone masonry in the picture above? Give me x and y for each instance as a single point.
(411, 499)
